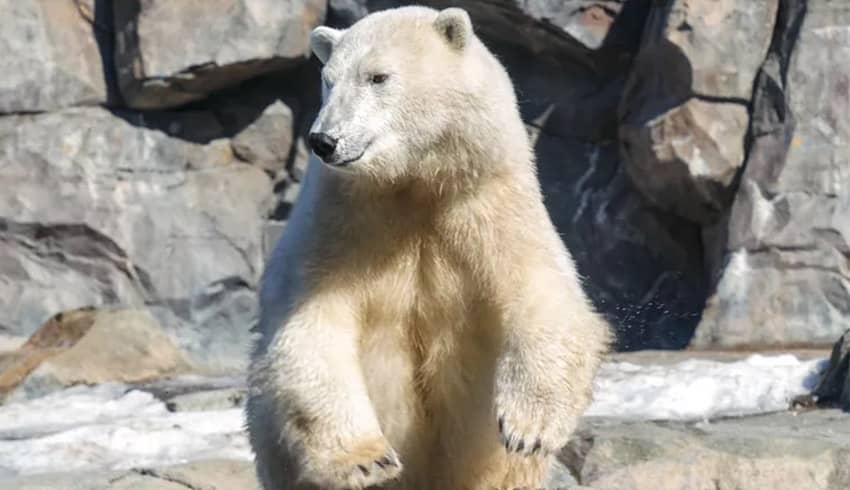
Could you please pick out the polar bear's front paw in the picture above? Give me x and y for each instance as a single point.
(353, 467)
(531, 425)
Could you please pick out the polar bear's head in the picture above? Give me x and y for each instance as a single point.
(411, 92)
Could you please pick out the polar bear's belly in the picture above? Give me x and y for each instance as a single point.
(428, 348)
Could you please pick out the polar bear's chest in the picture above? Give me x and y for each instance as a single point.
(420, 289)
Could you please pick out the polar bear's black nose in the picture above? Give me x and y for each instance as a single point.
(322, 144)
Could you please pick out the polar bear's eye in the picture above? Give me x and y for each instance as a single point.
(378, 78)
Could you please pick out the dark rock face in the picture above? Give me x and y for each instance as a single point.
(694, 158)
(834, 386)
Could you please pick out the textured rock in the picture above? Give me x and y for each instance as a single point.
(214, 325)
(56, 336)
(201, 475)
(684, 111)
(92, 347)
(267, 141)
(807, 451)
(636, 262)
(51, 55)
(588, 21)
(170, 53)
(107, 209)
(582, 23)
(786, 278)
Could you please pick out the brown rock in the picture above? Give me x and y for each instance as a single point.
(93, 346)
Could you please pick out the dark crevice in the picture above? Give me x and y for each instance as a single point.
(718, 99)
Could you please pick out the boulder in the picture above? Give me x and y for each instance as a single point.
(52, 55)
(805, 452)
(122, 208)
(267, 141)
(90, 347)
(171, 53)
(683, 116)
(210, 474)
(785, 278)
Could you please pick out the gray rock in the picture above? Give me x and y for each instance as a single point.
(214, 326)
(805, 451)
(171, 53)
(109, 210)
(201, 475)
(588, 21)
(785, 278)
(585, 22)
(684, 111)
(267, 141)
(51, 55)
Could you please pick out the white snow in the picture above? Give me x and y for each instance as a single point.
(107, 427)
(111, 427)
(702, 389)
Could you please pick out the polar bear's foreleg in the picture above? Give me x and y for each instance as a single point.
(312, 379)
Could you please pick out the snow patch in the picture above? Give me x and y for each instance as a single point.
(107, 427)
(702, 389)
(114, 427)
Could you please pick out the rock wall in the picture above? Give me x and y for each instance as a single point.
(695, 156)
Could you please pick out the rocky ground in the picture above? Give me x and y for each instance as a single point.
(795, 450)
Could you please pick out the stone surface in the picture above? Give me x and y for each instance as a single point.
(683, 117)
(267, 141)
(802, 451)
(786, 278)
(109, 208)
(786, 450)
(92, 347)
(171, 53)
(52, 55)
(202, 475)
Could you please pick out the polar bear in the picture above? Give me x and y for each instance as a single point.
(423, 326)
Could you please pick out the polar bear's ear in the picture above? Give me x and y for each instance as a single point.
(454, 25)
(322, 42)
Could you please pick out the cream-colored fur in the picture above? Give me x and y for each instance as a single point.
(423, 325)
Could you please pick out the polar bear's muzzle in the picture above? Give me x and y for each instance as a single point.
(331, 151)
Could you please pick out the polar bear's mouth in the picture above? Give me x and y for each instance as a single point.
(349, 161)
